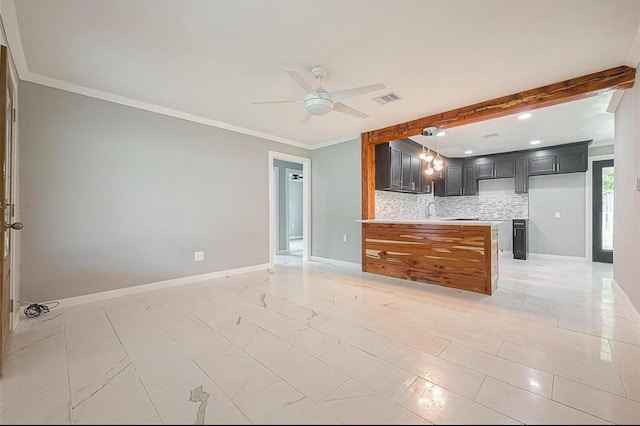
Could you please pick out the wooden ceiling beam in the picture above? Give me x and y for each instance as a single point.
(622, 77)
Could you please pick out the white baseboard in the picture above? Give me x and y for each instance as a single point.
(143, 288)
(337, 262)
(557, 257)
(542, 256)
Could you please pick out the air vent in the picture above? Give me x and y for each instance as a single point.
(492, 136)
(385, 99)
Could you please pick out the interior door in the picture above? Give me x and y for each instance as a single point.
(7, 116)
(602, 235)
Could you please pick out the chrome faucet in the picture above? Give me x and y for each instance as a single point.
(429, 209)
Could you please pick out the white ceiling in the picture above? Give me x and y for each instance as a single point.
(208, 59)
(585, 119)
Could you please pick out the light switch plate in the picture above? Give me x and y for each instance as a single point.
(344, 238)
(557, 215)
(636, 185)
(198, 256)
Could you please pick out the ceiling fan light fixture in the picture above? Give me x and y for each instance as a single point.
(318, 102)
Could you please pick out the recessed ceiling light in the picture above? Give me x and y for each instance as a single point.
(468, 152)
(524, 116)
(441, 133)
(536, 142)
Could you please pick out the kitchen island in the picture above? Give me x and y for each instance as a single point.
(461, 254)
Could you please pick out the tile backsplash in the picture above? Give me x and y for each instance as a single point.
(496, 200)
(398, 205)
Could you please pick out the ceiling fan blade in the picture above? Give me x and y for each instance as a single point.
(272, 102)
(306, 117)
(301, 81)
(345, 109)
(341, 95)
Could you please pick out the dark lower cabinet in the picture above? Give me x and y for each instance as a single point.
(520, 238)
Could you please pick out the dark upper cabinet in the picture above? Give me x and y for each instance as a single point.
(542, 165)
(504, 169)
(522, 177)
(563, 159)
(571, 162)
(501, 166)
(469, 181)
(483, 170)
(398, 167)
(406, 171)
(427, 180)
(451, 182)
(416, 169)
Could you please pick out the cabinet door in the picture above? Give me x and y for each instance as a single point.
(503, 169)
(542, 165)
(522, 178)
(572, 162)
(427, 182)
(519, 242)
(396, 168)
(453, 179)
(406, 170)
(416, 167)
(469, 182)
(483, 170)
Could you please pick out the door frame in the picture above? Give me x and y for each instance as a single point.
(595, 203)
(306, 203)
(588, 243)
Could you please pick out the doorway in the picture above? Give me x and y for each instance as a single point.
(603, 194)
(289, 206)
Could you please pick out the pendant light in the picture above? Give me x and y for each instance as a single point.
(429, 170)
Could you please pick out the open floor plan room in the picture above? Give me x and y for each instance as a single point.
(319, 343)
(319, 212)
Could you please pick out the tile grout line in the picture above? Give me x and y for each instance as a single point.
(133, 365)
(581, 410)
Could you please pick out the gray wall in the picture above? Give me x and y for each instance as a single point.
(626, 229)
(601, 150)
(565, 193)
(336, 201)
(283, 204)
(114, 196)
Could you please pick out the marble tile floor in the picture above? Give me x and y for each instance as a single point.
(317, 343)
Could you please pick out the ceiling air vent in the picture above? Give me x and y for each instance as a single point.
(385, 99)
(492, 136)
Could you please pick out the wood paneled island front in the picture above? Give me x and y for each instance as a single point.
(458, 254)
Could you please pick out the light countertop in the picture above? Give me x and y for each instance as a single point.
(435, 221)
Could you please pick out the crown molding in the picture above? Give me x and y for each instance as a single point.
(336, 141)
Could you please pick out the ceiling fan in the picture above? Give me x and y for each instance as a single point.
(319, 101)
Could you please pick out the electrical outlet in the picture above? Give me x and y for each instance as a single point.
(557, 215)
(344, 238)
(198, 256)
(495, 215)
